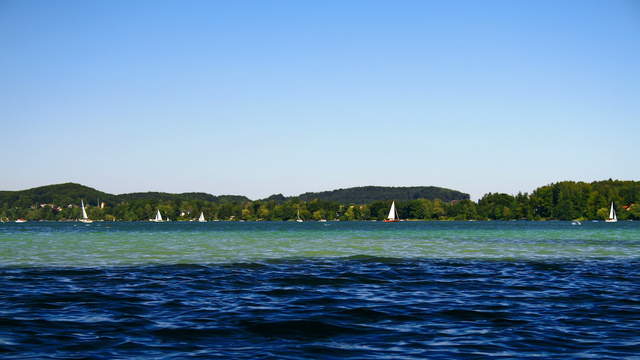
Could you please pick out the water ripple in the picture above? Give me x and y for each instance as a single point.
(371, 308)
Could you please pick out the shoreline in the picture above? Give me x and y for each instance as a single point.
(312, 221)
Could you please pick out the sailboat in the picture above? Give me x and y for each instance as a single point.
(158, 217)
(85, 219)
(201, 218)
(393, 214)
(298, 217)
(612, 215)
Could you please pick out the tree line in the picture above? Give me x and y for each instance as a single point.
(565, 200)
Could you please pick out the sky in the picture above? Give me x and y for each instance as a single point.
(264, 97)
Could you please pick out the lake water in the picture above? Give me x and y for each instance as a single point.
(361, 290)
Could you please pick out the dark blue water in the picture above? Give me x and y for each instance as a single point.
(359, 308)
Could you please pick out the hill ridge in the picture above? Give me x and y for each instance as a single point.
(70, 192)
(370, 193)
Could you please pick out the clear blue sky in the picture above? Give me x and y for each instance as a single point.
(263, 97)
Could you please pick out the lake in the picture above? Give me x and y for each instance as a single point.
(361, 290)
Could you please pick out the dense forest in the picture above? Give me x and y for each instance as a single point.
(565, 200)
(369, 194)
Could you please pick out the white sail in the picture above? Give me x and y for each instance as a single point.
(612, 212)
(201, 218)
(85, 219)
(392, 211)
(84, 212)
(612, 215)
(158, 216)
(298, 216)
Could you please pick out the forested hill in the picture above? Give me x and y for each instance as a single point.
(71, 193)
(369, 194)
(564, 200)
(160, 196)
(62, 194)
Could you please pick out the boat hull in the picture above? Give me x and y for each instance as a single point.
(394, 220)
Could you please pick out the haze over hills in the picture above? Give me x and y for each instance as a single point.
(71, 193)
